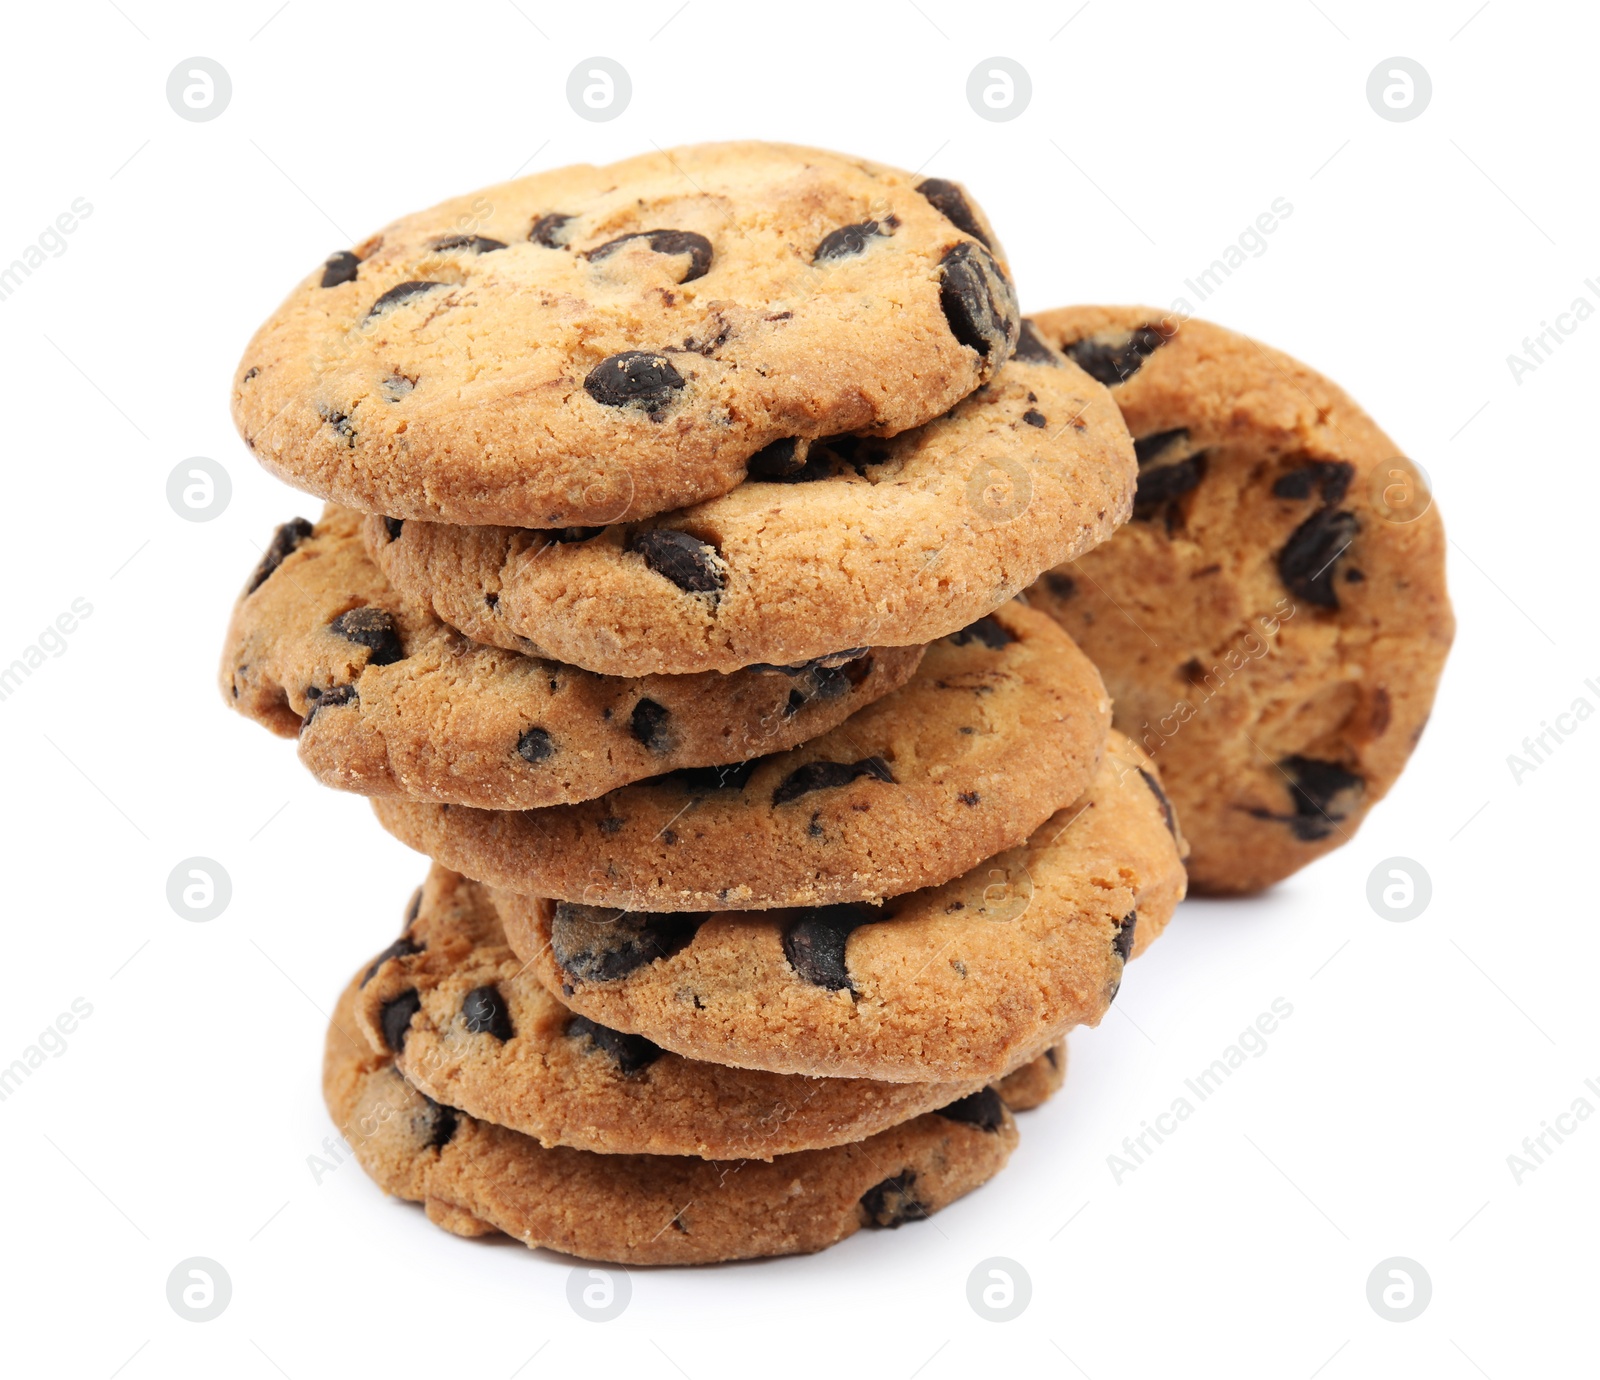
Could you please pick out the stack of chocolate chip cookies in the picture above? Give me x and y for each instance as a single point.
(667, 599)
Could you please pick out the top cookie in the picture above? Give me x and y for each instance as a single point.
(1272, 623)
(596, 344)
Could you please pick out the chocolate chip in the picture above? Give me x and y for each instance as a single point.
(670, 242)
(1032, 348)
(894, 1201)
(1113, 358)
(950, 201)
(1332, 477)
(1162, 481)
(340, 268)
(611, 824)
(979, 303)
(478, 244)
(649, 725)
(374, 629)
(571, 536)
(1161, 795)
(781, 460)
(821, 776)
(845, 241)
(982, 1109)
(395, 1018)
(595, 944)
(484, 1012)
(804, 668)
(1123, 942)
(550, 230)
(814, 942)
(631, 1052)
(969, 798)
(439, 1128)
(1306, 563)
(401, 948)
(331, 698)
(733, 776)
(536, 745)
(634, 376)
(1033, 418)
(691, 564)
(283, 545)
(1323, 794)
(1052, 1058)
(1062, 586)
(343, 427)
(393, 527)
(249, 374)
(987, 631)
(404, 293)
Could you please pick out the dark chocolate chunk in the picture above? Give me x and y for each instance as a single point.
(1161, 795)
(986, 630)
(550, 230)
(1062, 586)
(982, 1109)
(283, 544)
(649, 725)
(1123, 942)
(484, 1012)
(845, 241)
(634, 376)
(399, 949)
(1033, 417)
(395, 1018)
(631, 1052)
(331, 698)
(340, 268)
(894, 1201)
(393, 526)
(403, 293)
(1306, 563)
(979, 303)
(691, 564)
(1323, 794)
(780, 460)
(1114, 359)
(536, 745)
(1032, 348)
(374, 629)
(950, 201)
(821, 776)
(597, 944)
(1160, 483)
(1332, 477)
(478, 244)
(733, 776)
(343, 427)
(968, 798)
(439, 1123)
(814, 942)
(670, 242)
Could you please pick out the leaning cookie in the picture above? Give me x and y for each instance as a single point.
(957, 981)
(388, 701)
(468, 1025)
(590, 344)
(475, 1177)
(1001, 725)
(843, 543)
(1273, 623)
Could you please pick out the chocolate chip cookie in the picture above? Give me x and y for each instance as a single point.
(593, 344)
(468, 1025)
(1001, 725)
(388, 701)
(1273, 623)
(475, 1177)
(828, 544)
(957, 981)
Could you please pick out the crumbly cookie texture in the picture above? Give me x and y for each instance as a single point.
(468, 1025)
(475, 1177)
(590, 344)
(957, 981)
(1002, 724)
(1273, 623)
(388, 701)
(837, 544)
(1037, 1081)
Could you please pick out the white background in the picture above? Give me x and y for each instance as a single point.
(180, 1118)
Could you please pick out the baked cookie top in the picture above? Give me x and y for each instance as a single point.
(475, 1177)
(1273, 623)
(469, 1026)
(838, 544)
(387, 700)
(592, 344)
(955, 981)
(1001, 725)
